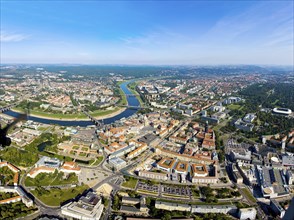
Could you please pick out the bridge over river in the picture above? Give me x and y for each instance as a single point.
(132, 102)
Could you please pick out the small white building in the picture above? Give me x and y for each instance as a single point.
(249, 117)
(289, 176)
(213, 209)
(48, 162)
(117, 163)
(247, 213)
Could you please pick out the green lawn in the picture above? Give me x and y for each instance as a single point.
(83, 154)
(15, 210)
(103, 112)
(147, 192)
(75, 147)
(42, 128)
(85, 148)
(55, 196)
(19, 157)
(174, 196)
(195, 193)
(51, 179)
(6, 176)
(55, 115)
(233, 106)
(248, 194)
(7, 195)
(78, 115)
(96, 162)
(255, 139)
(194, 202)
(72, 152)
(131, 183)
(123, 100)
(275, 102)
(120, 82)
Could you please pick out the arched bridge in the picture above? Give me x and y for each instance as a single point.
(132, 95)
(94, 120)
(7, 108)
(135, 107)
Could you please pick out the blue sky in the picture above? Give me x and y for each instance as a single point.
(147, 32)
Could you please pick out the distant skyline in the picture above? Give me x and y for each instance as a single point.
(147, 32)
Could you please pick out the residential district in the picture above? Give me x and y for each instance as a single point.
(165, 147)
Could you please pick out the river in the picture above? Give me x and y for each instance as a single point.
(132, 101)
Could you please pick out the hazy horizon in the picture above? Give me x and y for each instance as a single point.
(159, 65)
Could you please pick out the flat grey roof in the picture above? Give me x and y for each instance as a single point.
(129, 208)
(288, 160)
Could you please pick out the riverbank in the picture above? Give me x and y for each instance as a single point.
(110, 115)
(132, 88)
(97, 115)
(53, 117)
(123, 100)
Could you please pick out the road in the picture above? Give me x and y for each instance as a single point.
(107, 180)
(66, 186)
(260, 212)
(108, 208)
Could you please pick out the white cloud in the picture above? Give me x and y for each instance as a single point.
(12, 37)
(262, 19)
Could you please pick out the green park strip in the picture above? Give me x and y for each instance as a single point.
(195, 194)
(6, 176)
(123, 100)
(19, 157)
(147, 192)
(131, 183)
(255, 139)
(6, 195)
(233, 107)
(56, 196)
(248, 194)
(174, 196)
(16, 210)
(51, 179)
(120, 82)
(96, 161)
(59, 116)
(194, 203)
(104, 112)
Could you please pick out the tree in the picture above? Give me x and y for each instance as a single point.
(166, 216)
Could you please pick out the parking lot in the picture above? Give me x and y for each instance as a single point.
(147, 187)
(116, 181)
(176, 190)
